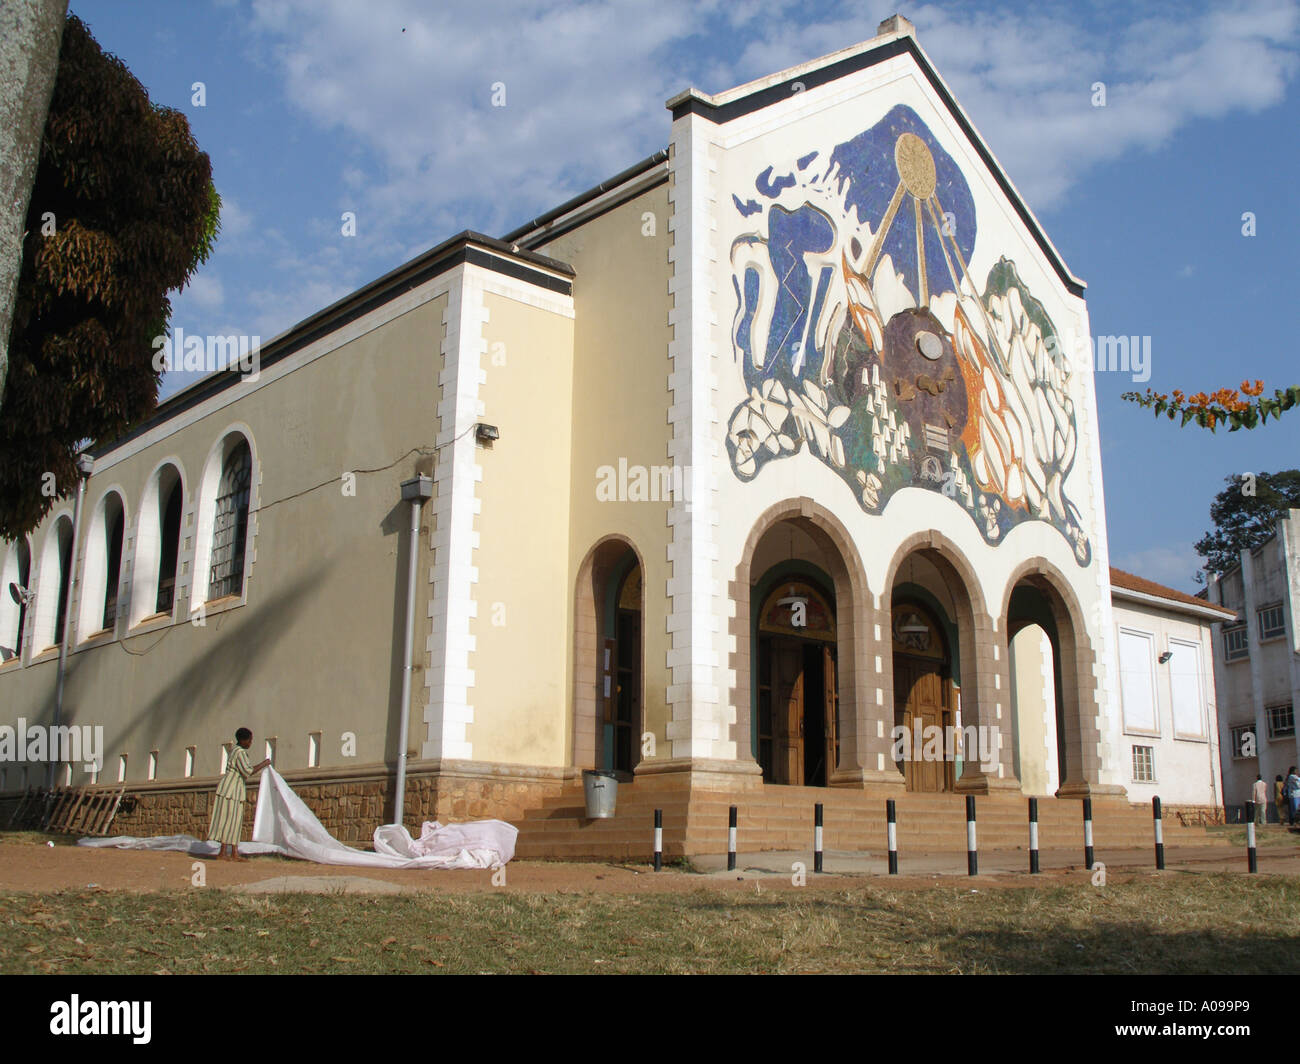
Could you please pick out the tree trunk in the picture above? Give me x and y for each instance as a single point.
(30, 34)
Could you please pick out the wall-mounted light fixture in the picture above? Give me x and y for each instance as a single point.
(485, 433)
(1166, 656)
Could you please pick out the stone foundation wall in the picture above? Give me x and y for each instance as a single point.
(349, 809)
(1195, 815)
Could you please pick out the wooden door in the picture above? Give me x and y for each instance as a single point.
(922, 701)
(831, 700)
(788, 686)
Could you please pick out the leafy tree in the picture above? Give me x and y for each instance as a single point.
(1246, 409)
(123, 211)
(1245, 513)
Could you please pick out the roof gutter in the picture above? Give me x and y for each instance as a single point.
(648, 163)
(1207, 612)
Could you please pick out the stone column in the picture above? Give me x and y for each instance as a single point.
(989, 708)
(866, 745)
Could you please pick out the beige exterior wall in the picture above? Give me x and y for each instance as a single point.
(619, 411)
(522, 695)
(312, 646)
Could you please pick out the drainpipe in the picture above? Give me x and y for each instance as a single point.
(85, 464)
(416, 491)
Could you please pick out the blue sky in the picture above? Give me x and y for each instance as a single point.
(383, 108)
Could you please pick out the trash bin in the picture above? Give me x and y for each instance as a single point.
(601, 791)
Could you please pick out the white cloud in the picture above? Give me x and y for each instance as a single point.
(1172, 566)
(205, 289)
(235, 221)
(585, 82)
(1027, 81)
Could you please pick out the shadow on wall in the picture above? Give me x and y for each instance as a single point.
(215, 681)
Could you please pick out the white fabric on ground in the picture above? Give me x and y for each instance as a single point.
(283, 824)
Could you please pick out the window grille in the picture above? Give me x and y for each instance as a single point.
(230, 525)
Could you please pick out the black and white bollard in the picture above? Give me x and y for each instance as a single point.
(817, 837)
(972, 854)
(1033, 836)
(1251, 861)
(659, 840)
(1160, 835)
(1087, 834)
(731, 840)
(891, 817)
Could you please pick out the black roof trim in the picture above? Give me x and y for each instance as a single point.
(760, 98)
(468, 247)
(547, 236)
(636, 170)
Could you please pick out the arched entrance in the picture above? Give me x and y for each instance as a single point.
(925, 709)
(608, 695)
(1036, 699)
(796, 735)
(1039, 600)
(954, 684)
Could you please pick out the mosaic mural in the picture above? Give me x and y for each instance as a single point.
(863, 336)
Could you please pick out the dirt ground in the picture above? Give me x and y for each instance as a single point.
(28, 864)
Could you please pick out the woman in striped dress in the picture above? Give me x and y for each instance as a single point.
(228, 806)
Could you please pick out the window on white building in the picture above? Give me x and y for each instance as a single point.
(226, 749)
(1272, 621)
(1144, 764)
(1236, 643)
(153, 764)
(313, 750)
(1137, 681)
(190, 753)
(1281, 720)
(121, 769)
(1187, 689)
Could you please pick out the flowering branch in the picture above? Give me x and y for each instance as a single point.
(1240, 408)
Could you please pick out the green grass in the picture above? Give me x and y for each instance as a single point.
(1172, 924)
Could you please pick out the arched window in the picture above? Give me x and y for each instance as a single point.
(230, 523)
(15, 597)
(65, 579)
(52, 580)
(102, 569)
(113, 529)
(170, 514)
(157, 544)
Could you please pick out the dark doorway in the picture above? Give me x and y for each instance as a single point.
(797, 741)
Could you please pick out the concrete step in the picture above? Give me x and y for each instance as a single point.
(777, 818)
